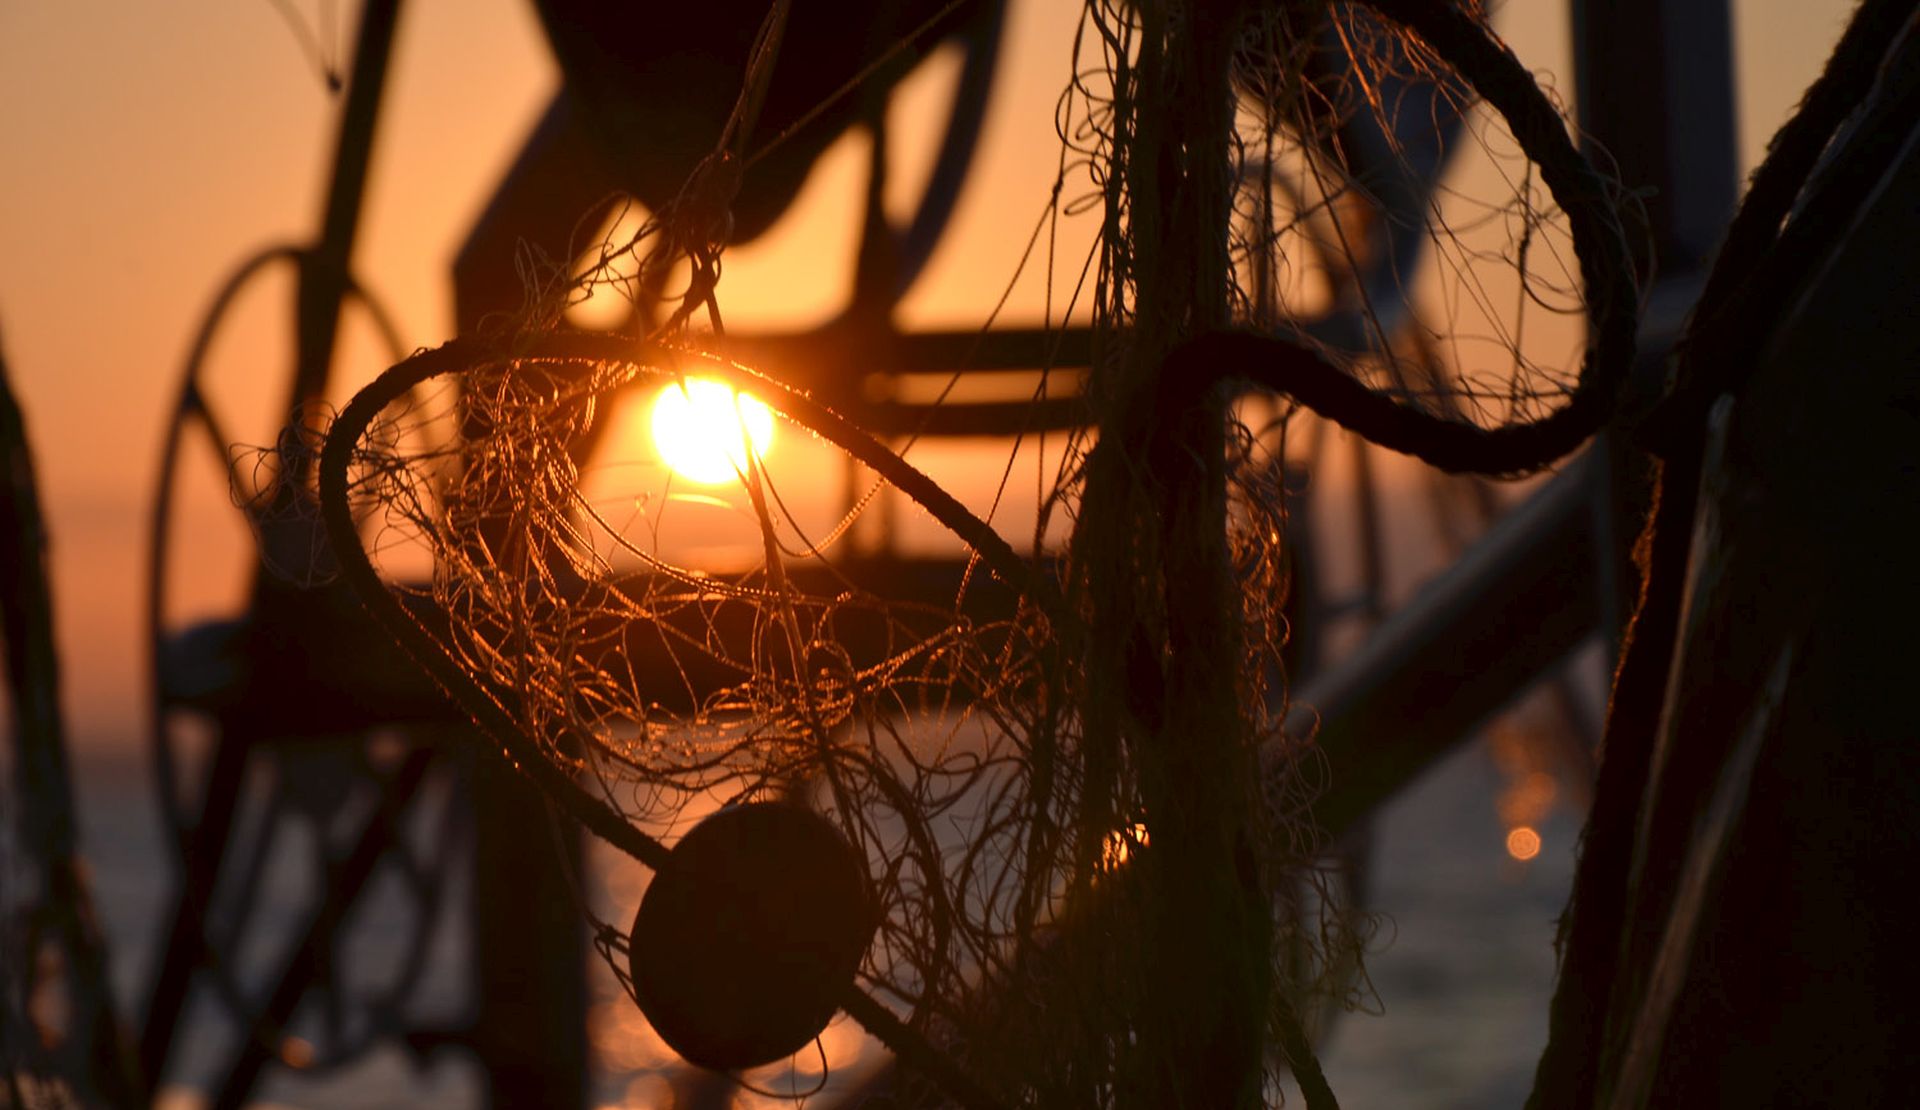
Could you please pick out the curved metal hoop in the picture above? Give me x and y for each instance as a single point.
(487, 708)
(196, 416)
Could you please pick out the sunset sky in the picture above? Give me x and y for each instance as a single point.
(148, 147)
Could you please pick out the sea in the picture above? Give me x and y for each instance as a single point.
(1461, 965)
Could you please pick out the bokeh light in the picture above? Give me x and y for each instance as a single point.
(1523, 843)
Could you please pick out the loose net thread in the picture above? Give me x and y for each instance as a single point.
(1347, 127)
(1363, 356)
(1002, 774)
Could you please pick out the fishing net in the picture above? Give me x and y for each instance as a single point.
(1085, 846)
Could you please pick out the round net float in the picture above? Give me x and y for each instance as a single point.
(742, 949)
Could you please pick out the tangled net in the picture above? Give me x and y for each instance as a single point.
(1088, 835)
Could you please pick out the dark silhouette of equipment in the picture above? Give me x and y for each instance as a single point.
(647, 88)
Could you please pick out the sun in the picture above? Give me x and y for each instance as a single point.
(703, 429)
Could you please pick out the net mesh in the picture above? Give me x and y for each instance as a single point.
(1066, 768)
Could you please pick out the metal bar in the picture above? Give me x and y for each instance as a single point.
(1474, 639)
(316, 941)
(202, 852)
(323, 285)
(797, 358)
(1654, 86)
(554, 182)
(821, 363)
(323, 276)
(950, 165)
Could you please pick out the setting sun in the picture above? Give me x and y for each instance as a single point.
(703, 430)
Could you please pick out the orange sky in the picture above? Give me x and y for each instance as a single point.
(148, 147)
